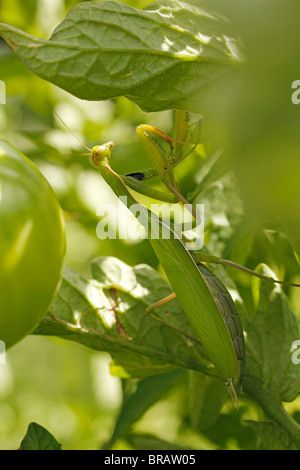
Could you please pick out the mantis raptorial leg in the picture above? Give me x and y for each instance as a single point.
(164, 161)
(182, 128)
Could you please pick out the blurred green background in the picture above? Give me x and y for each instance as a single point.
(63, 386)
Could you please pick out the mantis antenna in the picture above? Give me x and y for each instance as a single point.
(67, 127)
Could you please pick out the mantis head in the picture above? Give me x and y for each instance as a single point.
(101, 152)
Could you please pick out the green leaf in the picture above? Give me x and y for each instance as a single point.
(108, 314)
(165, 56)
(207, 396)
(270, 436)
(270, 334)
(150, 442)
(147, 393)
(230, 432)
(38, 438)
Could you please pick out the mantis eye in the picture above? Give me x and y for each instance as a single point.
(138, 176)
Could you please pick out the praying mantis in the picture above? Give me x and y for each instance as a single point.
(203, 297)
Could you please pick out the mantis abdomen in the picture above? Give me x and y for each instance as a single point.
(229, 314)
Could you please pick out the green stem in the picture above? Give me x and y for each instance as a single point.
(273, 410)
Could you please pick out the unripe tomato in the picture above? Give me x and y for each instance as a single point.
(32, 245)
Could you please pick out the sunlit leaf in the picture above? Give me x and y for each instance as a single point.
(109, 315)
(165, 56)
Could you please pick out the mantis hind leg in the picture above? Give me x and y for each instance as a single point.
(161, 302)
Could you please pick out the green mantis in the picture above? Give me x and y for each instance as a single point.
(204, 299)
(190, 287)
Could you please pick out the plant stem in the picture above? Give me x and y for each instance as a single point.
(273, 409)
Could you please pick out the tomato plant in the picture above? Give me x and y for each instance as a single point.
(123, 64)
(32, 245)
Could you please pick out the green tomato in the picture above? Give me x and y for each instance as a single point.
(32, 245)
